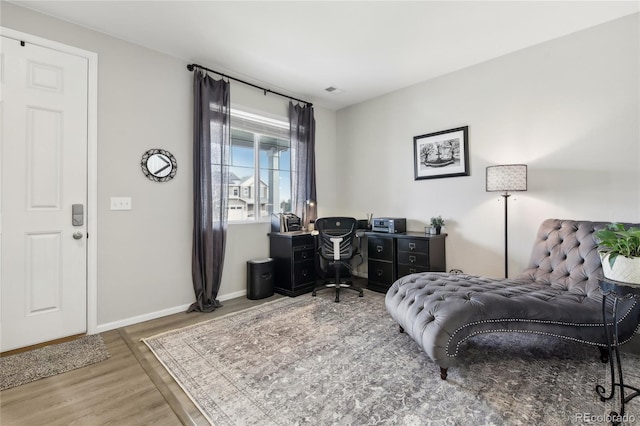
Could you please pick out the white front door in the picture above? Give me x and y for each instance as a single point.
(44, 194)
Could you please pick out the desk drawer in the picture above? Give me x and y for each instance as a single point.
(304, 272)
(413, 245)
(410, 269)
(380, 248)
(413, 259)
(380, 272)
(303, 253)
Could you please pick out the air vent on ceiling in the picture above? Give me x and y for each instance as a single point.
(333, 90)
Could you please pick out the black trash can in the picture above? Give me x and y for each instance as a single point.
(260, 278)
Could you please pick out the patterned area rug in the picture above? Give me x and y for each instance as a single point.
(50, 360)
(309, 360)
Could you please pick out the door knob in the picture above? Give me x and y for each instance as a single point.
(77, 235)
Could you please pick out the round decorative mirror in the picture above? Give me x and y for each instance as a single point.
(159, 165)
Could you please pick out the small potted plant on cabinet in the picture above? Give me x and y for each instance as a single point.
(619, 250)
(437, 223)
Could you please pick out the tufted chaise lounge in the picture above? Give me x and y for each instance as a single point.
(557, 295)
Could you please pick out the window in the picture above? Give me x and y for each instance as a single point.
(260, 167)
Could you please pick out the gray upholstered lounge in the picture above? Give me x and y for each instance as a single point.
(557, 294)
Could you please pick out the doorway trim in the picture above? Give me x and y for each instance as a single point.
(92, 163)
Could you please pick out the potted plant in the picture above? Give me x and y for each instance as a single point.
(437, 223)
(619, 249)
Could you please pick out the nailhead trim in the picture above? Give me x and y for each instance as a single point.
(531, 332)
(451, 338)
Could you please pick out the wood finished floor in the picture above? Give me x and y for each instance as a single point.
(130, 388)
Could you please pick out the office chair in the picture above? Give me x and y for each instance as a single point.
(334, 243)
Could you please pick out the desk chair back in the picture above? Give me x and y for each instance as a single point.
(336, 227)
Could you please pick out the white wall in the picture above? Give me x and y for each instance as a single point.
(145, 101)
(568, 108)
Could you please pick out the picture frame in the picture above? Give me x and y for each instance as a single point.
(441, 154)
(159, 165)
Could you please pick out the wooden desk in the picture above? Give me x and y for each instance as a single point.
(389, 257)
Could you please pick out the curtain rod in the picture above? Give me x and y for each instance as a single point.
(191, 67)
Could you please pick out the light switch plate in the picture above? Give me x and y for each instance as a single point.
(120, 203)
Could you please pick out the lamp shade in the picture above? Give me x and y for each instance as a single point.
(507, 177)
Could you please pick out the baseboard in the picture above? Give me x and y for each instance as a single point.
(101, 328)
(230, 296)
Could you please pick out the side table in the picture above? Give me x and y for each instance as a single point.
(619, 291)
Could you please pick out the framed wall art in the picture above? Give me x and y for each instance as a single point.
(441, 154)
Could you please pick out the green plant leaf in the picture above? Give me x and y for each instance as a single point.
(618, 241)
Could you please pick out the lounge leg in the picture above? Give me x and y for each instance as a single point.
(604, 354)
(443, 373)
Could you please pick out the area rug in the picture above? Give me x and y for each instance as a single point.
(21, 368)
(308, 360)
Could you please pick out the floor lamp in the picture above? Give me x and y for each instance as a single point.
(506, 178)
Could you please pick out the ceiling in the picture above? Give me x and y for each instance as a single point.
(363, 48)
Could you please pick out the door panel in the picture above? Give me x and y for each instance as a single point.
(44, 172)
(44, 133)
(43, 270)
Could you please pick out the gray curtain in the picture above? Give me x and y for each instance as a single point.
(211, 144)
(302, 125)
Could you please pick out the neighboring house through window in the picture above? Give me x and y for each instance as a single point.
(260, 167)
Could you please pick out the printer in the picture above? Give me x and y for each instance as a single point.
(389, 225)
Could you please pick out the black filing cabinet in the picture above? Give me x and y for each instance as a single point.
(413, 256)
(392, 256)
(381, 254)
(294, 256)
